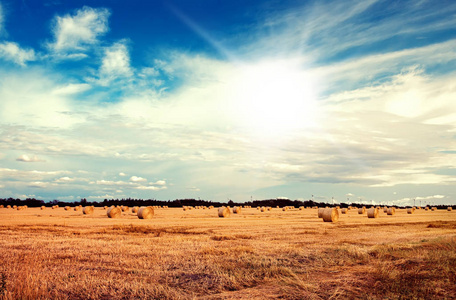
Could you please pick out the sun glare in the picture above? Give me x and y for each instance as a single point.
(274, 99)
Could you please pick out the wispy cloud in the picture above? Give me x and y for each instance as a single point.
(73, 34)
(11, 51)
(2, 19)
(115, 64)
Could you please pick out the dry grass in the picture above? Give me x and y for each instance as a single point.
(58, 254)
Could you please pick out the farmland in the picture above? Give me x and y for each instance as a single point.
(194, 254)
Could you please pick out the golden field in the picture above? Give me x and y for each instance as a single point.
(194, 254)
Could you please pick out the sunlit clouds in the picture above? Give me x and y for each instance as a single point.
(340, 99)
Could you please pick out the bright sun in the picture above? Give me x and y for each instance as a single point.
(273, 99)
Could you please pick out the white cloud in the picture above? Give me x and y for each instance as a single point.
(72, 88)
(137, 179)
(39, 184)
(35, 175)
(76, 32)
(27, 98)
(64, 179)
(122, 174)
(115, 64)
(28, 158)
(12, 52)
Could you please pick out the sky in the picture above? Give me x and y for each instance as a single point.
(347, 100)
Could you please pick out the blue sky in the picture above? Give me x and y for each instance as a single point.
(228, 100)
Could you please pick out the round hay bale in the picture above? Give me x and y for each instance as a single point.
(237, 209)
(372, 212)
(285, 208)
(43, 207)
(114, 212)
(449, 208)
(391, 211)
(434, 208)
(330, 214)
(320, 212)
(14, 206)
(135, 209)
(344, 210)
(385, 209)
(301, 208)
(146, 212)
(8, 206)
(268, 208)
(263, 209)
(224, 212)
(67, 208)
(88, 210)
(125, 209)
(410, 211)
(1, 206)
(362, 210)
(77, 208)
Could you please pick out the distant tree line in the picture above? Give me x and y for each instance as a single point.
(32, 202)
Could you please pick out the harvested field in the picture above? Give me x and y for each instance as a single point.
(194, 254)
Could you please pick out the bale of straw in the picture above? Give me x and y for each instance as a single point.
(263, 209)
(434, 208)
(344, 210)
(285, 208)
(14, 206)
(8, 206)
(125, 209)
(1, 206)
(449, 208)
(76, 208)
(391, 211)
(135, 209)
(237, 209)
(88, 210)
(268, 208)
(362, 210)
(114, 212)
(410, 211)
(146, 212)
(385, 209)
(330, 214)
(320, 212)
(67, 208)
(301, 208)
(372, 212)
(43, 207)
(224, 212)
(426, 208)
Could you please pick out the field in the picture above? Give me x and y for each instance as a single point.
(59, 254)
